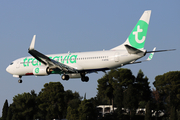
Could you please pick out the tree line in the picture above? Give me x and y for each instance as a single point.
(118, 87)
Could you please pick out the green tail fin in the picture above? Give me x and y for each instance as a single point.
(138, 35)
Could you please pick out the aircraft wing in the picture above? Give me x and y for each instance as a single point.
(48, 61)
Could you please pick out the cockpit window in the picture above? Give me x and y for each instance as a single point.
(11, 63)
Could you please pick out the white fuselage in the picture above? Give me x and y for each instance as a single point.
(87, 61)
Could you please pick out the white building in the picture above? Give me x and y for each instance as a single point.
(105, 109)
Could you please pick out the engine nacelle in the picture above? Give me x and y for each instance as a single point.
(74, 75)
(41, 71)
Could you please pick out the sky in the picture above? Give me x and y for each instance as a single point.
(77, 26)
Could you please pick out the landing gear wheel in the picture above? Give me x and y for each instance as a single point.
(85, 79)
(65, 77)
(19, 81)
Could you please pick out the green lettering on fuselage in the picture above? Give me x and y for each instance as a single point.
(34, 62)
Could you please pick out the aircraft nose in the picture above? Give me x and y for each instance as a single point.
(8, 69)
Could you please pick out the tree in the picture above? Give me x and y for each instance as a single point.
(87, 111)
(173, 115)
(5, 110)
(144, 92)
(51, 100)
(168, 86)
(119, 101)
(10, 114)
(24, 106)
(74, 101)
(105, 90)
(148, 111)
(72, 113)
(114, 79)
(157, 101)
(114, 83)
(130, 100)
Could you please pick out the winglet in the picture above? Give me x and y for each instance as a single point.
(32, 43)
(151, 55)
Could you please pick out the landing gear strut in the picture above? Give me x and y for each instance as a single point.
(84, 78)
(20, 80)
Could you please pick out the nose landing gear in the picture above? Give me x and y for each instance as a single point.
(20, 80)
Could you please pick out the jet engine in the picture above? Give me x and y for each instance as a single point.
(41, 71)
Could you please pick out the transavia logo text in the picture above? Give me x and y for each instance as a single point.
(68, 59)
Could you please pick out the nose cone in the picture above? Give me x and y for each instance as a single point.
(8, 69)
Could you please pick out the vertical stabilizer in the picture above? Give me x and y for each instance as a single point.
(137, 37)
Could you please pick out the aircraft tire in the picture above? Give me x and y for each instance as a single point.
(65, 77)
(19, 81)
(85, 79)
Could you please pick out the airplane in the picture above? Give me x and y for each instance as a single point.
(79, 64)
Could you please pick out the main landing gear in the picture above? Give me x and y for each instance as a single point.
(84, 78)
(65, 77)
(20, 80)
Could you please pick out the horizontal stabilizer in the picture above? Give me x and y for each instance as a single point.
(160, 50)
(151, 55)
(132, 50)
(148, 59)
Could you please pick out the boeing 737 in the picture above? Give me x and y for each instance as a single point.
(78, 65)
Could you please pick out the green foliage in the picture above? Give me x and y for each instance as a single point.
(148, 111)
(130, 99)
(87, 111)
(126, 89)
(168, 86)
(117, 85)
(24, 106)
(119, 102)
(51, 100)
(72, 101)
(72, 111)
(173, 115)
(10, 114)
(72, 114)
(105, 89)
(5, 110)
(111, 82)
(142, 85)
